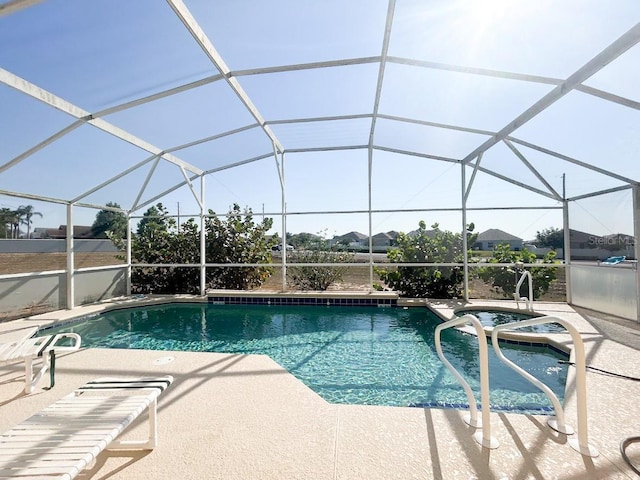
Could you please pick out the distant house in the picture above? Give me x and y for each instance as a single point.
(351, 239)
(358, 240)
(79, 231)
(489, 239)
(384, 239)
(39, 232)
(578, 239)
(619, 241)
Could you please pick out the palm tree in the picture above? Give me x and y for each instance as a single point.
(25, 213)
(14, 221)
(5, 221)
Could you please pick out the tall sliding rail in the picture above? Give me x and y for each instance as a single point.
(581, 444)
(484, 438)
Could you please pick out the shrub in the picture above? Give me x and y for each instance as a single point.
(504, 279)
(426, 246)
(317, 277)
(236, 239)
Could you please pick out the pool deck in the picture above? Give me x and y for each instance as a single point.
(244, 417)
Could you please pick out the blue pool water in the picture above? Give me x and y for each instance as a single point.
(355, 355)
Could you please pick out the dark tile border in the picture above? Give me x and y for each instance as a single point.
(304, 301)
(535, 410)
(525, 343)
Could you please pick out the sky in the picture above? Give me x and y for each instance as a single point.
(100, 54)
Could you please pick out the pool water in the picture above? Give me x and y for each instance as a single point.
(354, 355)
(492, 318)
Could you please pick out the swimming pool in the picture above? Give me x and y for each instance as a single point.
(355, 355)
(491, 318)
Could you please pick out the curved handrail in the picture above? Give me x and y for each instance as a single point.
(484, 438)
(529, 300)
(582, 443)
(558, 424)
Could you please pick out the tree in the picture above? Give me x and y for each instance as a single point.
(238, 239)
(109, 223)
(13, 220)
(26, 212)
(318, 277)
(303, 240)
(504, 279)
(434, 246)
(234, 240)
(550, 237)
(155, 219)
(6, 216)
(157, 241)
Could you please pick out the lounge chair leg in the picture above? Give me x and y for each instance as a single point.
(52, 369)
(151, 442)
(28, 375)
(31, 380)
(153, 424)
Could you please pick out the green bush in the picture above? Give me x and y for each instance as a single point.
(504, 279)
(317, 277)
(426, 246)
(236, 239)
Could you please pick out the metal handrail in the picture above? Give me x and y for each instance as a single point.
(483, 438)
(529, 300)
(581, 444)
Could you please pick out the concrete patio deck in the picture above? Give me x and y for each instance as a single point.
(245, 417)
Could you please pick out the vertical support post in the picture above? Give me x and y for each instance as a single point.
(128, 255)
(70, 259)
(465, 247)
(567, 241)
(284, 222)
(369, 175)
(203, 240)
(636, 234)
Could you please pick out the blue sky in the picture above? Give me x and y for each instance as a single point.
(100, 54)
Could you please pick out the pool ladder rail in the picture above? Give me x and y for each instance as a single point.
(528, 301)
(557, 423)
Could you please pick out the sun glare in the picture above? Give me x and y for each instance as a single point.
(470, 30)
(484, 24)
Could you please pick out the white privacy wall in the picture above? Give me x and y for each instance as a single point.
(610, 289)
(26, 292)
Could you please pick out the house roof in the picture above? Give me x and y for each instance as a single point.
(495, 234)
(577, 235)
(353, 236)
(620, 237)
(383, 235)
(79, 231)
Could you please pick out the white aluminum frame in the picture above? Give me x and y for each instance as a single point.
(189, 173)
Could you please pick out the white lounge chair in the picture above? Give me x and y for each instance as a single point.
(22, 346)
(63, 439)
